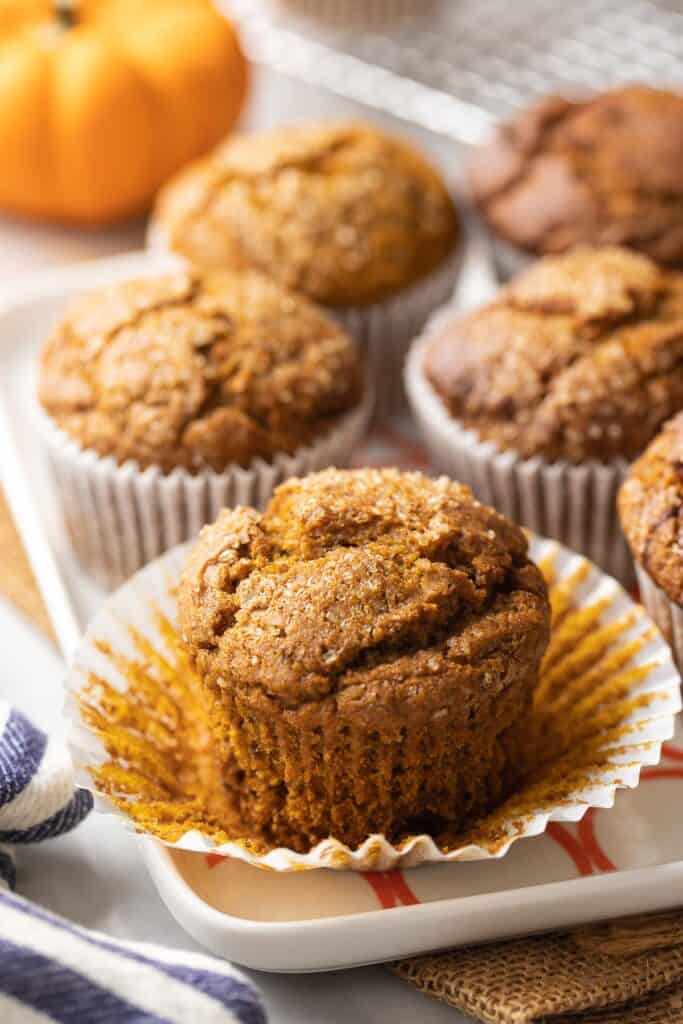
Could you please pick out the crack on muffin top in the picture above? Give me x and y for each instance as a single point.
(355, 582)
(197, 371)
(339, 211)
(606, 170)
(651, 509)
(580, 357)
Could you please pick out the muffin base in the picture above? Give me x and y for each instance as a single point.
(666, 613)
(119, 516)
(302, 783)
(573, 504)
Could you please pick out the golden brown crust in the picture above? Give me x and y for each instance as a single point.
(197, 370)
(608, 170)
(580, 357)
(339, 211)
(360, 608)
(651, 509)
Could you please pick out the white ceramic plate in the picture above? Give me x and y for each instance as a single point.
(620, 861)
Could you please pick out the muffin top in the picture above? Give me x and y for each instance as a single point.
(606, 170)
(580, 357)
(339, 211)
(651, 509)
(197, 370)
(375, 589)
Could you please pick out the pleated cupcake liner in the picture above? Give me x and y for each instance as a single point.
(605, 701)
(384, 330)
(666, 613)
(334, 770)
(119, 517)
(575, 504)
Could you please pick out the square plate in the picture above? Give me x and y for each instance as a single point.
(613, 862)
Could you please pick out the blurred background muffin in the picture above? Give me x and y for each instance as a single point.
(352, 217)
(651, 513)
(369, 645)
(168, 397)
(607, 170)
(540, 398)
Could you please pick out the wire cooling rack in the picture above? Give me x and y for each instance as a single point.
(456, 66)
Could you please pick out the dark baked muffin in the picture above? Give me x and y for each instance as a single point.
(197, 371)
(604, 170)
(580, 357)
(341, 212)
(369, 644)
(651, 509)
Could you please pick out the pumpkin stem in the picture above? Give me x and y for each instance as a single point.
(66, 12)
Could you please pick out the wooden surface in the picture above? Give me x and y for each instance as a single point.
(17, 583)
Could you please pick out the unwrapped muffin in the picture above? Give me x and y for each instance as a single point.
(651, 513)
(170, 396)
(354, 218)
(604, 170)
(544, 394)
(370, 645)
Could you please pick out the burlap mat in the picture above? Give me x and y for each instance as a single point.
(626, 972)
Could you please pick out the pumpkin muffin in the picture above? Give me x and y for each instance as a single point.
(539, 399)
(604, 170)
(369, 644)
(651, 509)
(165, 399)
(651, 513)
(197, 371)
(355, 219)
(340, 211)
(580, 357)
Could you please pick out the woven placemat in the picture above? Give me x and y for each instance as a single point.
(625, 972)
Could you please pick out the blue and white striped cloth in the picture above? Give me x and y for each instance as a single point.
(52, 970)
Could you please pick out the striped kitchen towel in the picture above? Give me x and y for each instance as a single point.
(52, 970)
(37, 797)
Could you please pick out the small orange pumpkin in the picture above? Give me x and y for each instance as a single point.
(101, 100)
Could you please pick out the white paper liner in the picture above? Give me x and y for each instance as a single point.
(138, 602)
(120, 517)
(666, 613)
(384, 330)
(573, 504)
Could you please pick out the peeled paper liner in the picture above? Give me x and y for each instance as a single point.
(575, 504)
(606, 697)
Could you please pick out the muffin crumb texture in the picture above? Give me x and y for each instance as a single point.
(651, 509)
(606, 171)
(579, 357)
(340, 211)
(197, 371)
(369, 645)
